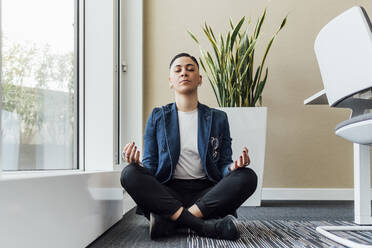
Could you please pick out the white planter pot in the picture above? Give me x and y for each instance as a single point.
(248, 128)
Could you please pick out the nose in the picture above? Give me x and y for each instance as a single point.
(183, 72)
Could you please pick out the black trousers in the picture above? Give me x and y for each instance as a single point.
(213, 200)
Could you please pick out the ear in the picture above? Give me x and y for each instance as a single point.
(170, 83)
(200, 79)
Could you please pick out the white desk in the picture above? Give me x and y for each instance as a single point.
(362, 184)
(318, 98)
(362, 195)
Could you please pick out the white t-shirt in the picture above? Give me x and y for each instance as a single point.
(189, 164)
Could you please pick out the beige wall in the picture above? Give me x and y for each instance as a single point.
(302, 150)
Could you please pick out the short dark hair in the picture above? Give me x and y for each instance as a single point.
(183, 55)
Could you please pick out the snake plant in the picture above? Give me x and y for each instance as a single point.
(230, 72)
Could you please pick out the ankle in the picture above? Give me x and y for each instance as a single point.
(177, 214)
(186, 219)
(194, 210)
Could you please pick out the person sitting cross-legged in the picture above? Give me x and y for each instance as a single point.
(187, 177)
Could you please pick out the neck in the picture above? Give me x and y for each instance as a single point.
(186, 103)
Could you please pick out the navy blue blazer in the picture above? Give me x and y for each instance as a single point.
(162, 142)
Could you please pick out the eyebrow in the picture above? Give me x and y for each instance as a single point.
(186, 65)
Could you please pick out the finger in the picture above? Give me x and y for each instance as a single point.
(240, 161)
(236, 164)
(129, 150)
(131, 157)
(124, 150)
(126, 147)
(137, 156)
(245, 157)
(245, 151)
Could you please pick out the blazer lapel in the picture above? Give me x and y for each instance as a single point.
(172, 132)
(204, 130)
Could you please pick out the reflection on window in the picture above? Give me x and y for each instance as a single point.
(38, 81)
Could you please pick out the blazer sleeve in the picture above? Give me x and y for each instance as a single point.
(226, 152)
(150, 153)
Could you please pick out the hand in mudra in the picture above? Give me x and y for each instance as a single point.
(130, 154)
(242, 161)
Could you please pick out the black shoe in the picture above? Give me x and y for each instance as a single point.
(225, 228)
(161, 227)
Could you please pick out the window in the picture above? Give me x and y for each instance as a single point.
(39, 84)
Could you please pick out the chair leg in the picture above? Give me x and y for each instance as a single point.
(362, 200)
(362, 185)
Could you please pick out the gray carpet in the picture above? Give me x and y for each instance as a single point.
(281, 234)
(132, 230)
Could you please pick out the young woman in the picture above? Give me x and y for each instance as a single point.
(187, 177)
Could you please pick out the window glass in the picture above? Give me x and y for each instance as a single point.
(38, 83)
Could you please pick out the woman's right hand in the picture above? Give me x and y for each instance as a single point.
(130, 154)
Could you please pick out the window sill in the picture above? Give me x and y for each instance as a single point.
(19, 175)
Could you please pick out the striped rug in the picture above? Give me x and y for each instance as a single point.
(280, 233)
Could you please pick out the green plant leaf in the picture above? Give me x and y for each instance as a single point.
(202, 64)
(235, 33)
(283, 23)
(247, 52)
(211, 32)
(228, 39)
(231, 71)
(231, 23)
(214, 44)
(255, 80)
(265, 55)
(259, 24)
(193, 36)
(260, 88)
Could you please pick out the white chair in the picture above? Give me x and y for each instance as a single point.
(344, 52)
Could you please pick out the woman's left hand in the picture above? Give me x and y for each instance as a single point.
(242, 161)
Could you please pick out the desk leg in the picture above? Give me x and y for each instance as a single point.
(362, 185)
(362, 200)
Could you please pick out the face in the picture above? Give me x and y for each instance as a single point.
(184, 76)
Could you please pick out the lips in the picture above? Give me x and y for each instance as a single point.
(184, 81)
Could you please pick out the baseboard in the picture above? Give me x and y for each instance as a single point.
(333, 194)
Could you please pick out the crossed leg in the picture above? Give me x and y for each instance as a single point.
(213, 201)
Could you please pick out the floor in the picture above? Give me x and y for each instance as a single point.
(132, 230)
